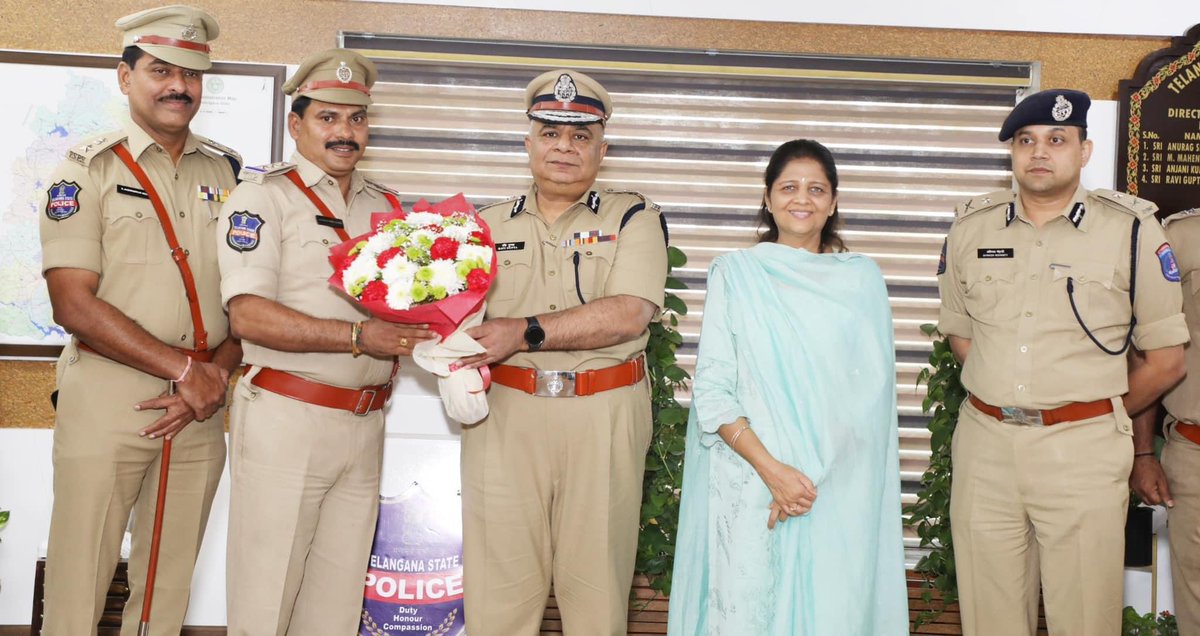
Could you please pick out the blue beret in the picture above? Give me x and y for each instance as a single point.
(1055, 107)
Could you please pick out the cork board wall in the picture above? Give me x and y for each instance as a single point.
(283, 32)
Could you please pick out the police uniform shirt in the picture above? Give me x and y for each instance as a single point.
(1003, 285)
(96, 216)
(280, 252)
(1183, 231)
(584, 255)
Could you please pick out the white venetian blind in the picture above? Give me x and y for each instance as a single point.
(693, 130)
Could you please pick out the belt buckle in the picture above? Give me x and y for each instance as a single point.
(555, 384)
(1023, 417)
(367, 396)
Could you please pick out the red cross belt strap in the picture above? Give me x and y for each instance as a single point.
(294, 176)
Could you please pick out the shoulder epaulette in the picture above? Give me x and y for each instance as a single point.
(1127, 203)
(220, 148)
(982, 203)
(650, 204)
(259, 174)
(1179, 216)
(514, 204)
(92, 147)
(379, 186)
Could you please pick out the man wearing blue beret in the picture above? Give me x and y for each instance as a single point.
(1043, 289)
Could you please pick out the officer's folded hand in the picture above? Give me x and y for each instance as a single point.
(384, 339)
(203, 388)
(177, 416)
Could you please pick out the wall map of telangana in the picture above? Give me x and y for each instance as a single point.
(69, 104)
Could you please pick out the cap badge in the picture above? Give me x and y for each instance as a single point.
(1062, 109)
(564, 89)
(344, 73)
(189, 32)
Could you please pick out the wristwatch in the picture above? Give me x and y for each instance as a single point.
(534, 334)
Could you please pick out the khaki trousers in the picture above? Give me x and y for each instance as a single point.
(552, 491)
(1052, 496)
(1181, 461)
(102, 470)
(302, 511)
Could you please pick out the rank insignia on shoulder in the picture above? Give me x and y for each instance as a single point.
(62, 201)
(244, 230)
(212, 193)
(258, 174)
(1166, 258)
(593, 201)
(518, 206)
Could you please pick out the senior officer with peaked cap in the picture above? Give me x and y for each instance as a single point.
(1042, 289)
(118, 213)
(306, 424)
(552, 478)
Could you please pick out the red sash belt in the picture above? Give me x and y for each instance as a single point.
(1068, 413)
(570, 383)
(357, 401)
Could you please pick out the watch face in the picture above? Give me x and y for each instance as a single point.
(534, 335)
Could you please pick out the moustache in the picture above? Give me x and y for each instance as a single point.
(349, 143)
(177, 97)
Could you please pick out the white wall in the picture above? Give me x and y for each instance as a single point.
(1119, 17)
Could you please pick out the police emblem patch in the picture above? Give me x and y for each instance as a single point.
(1166, 258)
(243, 231)
(564, 89)
(344, 73)
(1062, 109)
(63, 200)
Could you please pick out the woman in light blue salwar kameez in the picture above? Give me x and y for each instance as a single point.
(794, 406)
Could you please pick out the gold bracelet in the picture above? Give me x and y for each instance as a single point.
(355, 332)
(734, 440)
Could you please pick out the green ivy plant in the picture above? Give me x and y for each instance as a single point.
(930, 515)
(3, 519)
(664, 461)
(1134, 624)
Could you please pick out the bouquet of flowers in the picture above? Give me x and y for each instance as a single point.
(432, 265)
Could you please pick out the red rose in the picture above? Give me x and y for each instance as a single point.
(444, 248)
(375, 290)
(386, 255)
(477, 280)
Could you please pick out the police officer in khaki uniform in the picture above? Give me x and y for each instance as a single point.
(1176, 483)
(1042, 288)
(114, 215)
(307, 417)
(552, 479)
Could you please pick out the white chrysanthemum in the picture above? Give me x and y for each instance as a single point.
(399, 271)
(468, 252)
(377, 244)
(362, 267)
(459, 233)
(399, 297)
(444, 275)
(416, 235)
(419, 219)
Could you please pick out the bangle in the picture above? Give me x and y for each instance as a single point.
(187, 368)
(1144, 454)
(355, 332)
(738, 433)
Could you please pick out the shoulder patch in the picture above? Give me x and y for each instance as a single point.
(1126, 203)
(983, 203)
(259, 174)
(221, 148)
(1179, 216)
(93, 146)
(244, 230)
(501, 203)
(1166, 258)
(62, 200)
(375, 185)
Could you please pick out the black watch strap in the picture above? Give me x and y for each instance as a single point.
(535, 336)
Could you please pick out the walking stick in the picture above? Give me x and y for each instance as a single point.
(156, 536)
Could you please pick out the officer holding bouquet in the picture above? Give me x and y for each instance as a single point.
(307, 424)
(552, 478)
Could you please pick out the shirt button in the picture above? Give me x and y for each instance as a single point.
(553, 307)
(1029, 314)
(1039, 243)
(1020, 387)
(551, 273)
(329, 181)
(183, 337)
(1033, 277)
(589, 252)
(553, 237)
(987, 278)
(507, 262)
(1024, 349)
(138, 215)
(325, 241)
(182, 214)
